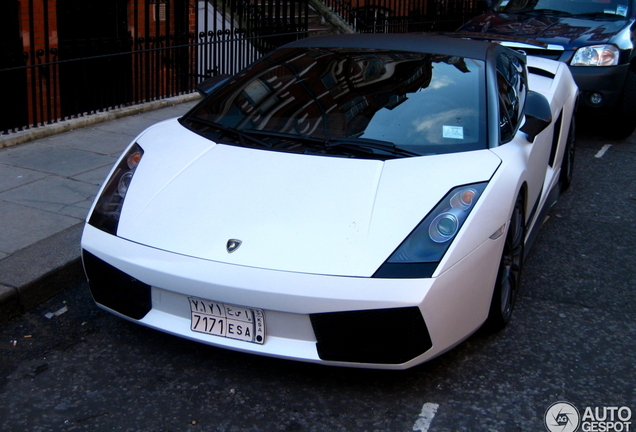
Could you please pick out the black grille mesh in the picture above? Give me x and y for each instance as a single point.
(382, 336)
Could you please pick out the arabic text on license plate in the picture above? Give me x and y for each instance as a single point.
(226, 320)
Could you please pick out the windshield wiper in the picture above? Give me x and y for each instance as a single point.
(371, 144)
(350, 143)
(228, 130)
(284, 135)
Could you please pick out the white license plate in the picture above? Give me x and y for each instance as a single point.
(226, 320)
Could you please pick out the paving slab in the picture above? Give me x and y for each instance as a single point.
(53, 160)
(92, 140)
(12, 177)
(23, 226)
(95, 177)
(54, 194)
(130, 127)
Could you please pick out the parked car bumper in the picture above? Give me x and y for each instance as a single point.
(603, 82)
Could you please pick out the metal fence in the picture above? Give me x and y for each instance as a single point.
(81, 57)
(61, 59)
(401, 16)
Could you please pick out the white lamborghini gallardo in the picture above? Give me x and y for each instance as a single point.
(359, 200)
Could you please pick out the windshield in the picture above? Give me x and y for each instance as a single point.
(302, 100)
(581, 7)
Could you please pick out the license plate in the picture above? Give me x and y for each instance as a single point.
(226, 320)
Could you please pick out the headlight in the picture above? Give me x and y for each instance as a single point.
(596, 55)
(108, 208)
(419, 254)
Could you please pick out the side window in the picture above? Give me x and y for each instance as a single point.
(512, 90)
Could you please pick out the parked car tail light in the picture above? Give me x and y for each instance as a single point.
(106, 214)
(596, 55)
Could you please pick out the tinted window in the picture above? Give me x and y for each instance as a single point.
(512, 90)
(425, 103)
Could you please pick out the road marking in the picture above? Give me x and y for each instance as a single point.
(426, 417)
(602, 151)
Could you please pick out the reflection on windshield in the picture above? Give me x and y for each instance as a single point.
(422, 102)
(619, 8)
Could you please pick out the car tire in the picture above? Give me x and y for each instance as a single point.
(624, 118)
(567, 165)
(509, 274)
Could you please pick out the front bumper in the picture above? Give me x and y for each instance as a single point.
(606, 81)
(346, 321)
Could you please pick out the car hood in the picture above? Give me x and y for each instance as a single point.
(568, 32)
(292, 212)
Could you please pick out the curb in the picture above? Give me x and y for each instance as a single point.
(38, 272)
(21, 137)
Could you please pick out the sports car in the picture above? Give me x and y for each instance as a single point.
(359, 200)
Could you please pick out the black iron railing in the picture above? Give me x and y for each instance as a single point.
(84, 57)
(401, 16)
(68, 58)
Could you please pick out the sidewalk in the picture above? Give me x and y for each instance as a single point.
(47, 186)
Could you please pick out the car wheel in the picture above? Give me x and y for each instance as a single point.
(624, 119)
(567, 166)
(509, 275)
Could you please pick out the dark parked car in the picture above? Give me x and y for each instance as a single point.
(594, 37)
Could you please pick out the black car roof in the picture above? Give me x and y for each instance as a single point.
(413, 42)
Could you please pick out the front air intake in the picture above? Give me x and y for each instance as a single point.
(115, 289)
(382, 336)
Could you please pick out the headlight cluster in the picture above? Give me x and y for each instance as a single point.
(596, 55)
(419, 254)
(108, 208)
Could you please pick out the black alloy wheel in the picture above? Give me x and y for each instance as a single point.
(509, 275)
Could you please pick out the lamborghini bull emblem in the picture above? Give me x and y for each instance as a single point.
(232, 245)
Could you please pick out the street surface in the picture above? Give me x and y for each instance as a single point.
(571, 339)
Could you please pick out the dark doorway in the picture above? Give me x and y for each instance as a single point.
(13, 111)
(94, 47)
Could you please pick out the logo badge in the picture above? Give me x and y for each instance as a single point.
(562, 417)
(232, 245)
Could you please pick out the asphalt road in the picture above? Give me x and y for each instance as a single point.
(572, 339)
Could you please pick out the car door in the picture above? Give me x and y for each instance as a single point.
(512, 89)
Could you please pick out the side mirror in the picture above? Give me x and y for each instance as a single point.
(538, 115)
(205, 87)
